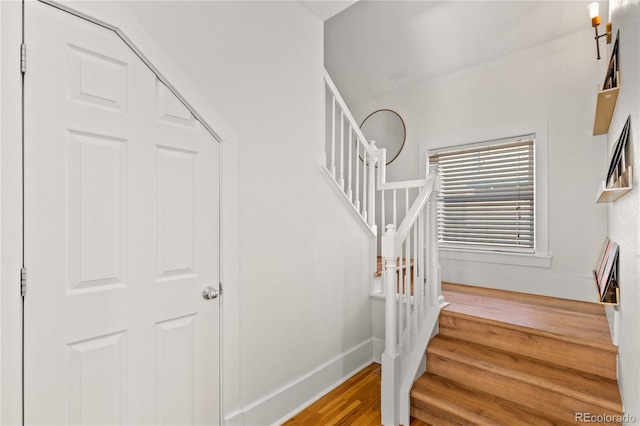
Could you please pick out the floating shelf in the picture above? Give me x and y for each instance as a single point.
(604, 109)
(608, 195)
(612, 297)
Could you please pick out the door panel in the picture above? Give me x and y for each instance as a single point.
(96, 189)
(96, 378)
(121, 236)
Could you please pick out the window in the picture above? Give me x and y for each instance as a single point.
(487, 196)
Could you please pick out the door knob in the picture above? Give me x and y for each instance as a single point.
(209, 292)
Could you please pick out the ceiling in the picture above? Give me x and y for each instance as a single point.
(375, 47)
(325, 9)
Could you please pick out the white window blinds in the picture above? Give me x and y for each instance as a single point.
(487, 196)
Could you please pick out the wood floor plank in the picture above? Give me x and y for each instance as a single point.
(355, 402)
(351, 401)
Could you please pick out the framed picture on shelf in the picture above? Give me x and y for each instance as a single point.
(603, 256)
(611, 78)
(616, 166)
(606, 273)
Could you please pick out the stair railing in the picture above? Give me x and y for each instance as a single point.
(413, 300)
(350, 159)
(395, 197)
(411, 275)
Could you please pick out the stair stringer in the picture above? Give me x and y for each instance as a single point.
(414, 367)
(370, 230)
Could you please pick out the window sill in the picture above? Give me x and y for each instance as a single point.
(519, 259)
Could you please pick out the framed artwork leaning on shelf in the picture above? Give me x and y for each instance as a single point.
(606, 273)
(611, 79)
(618, 163)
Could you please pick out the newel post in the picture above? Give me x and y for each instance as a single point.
(390, 388)
(435, 280)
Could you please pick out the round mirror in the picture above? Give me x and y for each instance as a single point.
(386, 128)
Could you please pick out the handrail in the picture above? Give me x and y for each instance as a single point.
(413, 213)
(350, 160)
(405, 184)
(382, 175)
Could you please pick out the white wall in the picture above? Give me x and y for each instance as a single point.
(624, 214)
(302, 296)
(552, 85)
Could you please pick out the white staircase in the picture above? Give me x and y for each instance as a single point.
(409, 247)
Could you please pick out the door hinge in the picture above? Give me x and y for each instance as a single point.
(220, 289)
(23, 58)
(23, 281)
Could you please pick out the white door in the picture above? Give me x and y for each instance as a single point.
(121, 236)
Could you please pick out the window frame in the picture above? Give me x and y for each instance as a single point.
(470, 171)
(541, 258)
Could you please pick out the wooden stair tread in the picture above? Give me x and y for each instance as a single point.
(470, 406)
(566, 319)
(526, 342)
(575, 384)
(507, 358)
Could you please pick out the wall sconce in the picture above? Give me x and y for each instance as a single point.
(594, 13)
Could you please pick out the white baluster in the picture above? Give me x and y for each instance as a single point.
(395, 208)
(425, 257)
(357, 204)
(382, 208)
(407, 280)
(400, 291)
(406, 202)
(421, 274)
(341, 181)
(332, 167)
(414, 280)
(429, 233)
(372, 189)
(349, 166)
(365, 155)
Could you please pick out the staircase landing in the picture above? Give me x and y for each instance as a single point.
(511, 358)
(585, 322)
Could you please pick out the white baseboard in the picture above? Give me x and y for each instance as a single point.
(289, 400)
(544, 282)
(613, 317)
(236, 418)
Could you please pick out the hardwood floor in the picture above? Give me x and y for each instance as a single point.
(355, 402)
